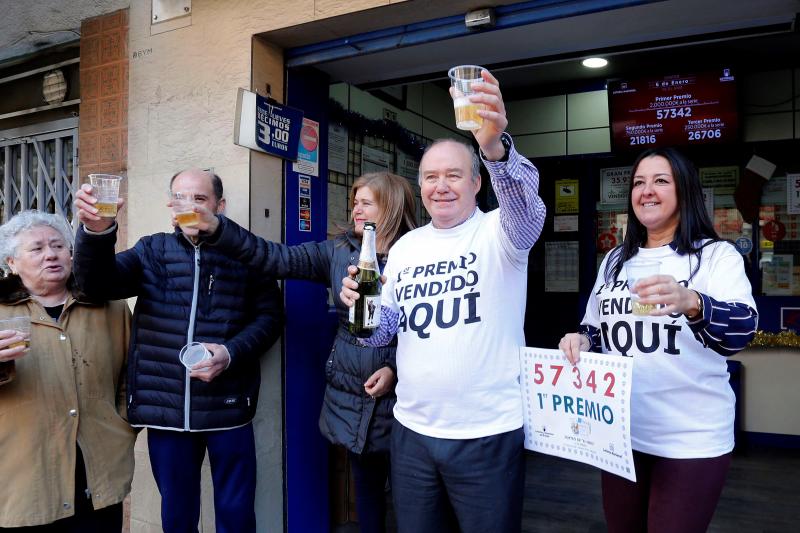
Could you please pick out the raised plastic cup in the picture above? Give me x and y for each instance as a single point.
(106, 190)
(461, 79)
(635, 270)
(183, 208)
(193, 353)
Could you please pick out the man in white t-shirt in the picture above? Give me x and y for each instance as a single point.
(455, 297)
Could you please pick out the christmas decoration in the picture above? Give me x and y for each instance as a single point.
(406, 141)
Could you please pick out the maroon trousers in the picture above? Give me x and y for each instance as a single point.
(669, 496)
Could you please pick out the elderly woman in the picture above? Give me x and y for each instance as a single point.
(66, 452)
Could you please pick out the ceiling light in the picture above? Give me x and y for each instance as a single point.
(594, 62)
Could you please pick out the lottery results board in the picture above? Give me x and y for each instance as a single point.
(679, 109)
(579, 412)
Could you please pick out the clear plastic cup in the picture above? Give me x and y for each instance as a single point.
(636, 269)
(193, 353)
(461, 79)
(183, 208)
(22, 325)
(106, 190)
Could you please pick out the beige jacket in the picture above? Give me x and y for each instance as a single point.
(69, 387)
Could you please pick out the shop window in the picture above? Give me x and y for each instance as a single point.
(369, 153)
(779, 237)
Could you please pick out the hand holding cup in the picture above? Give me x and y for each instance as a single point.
(479, 107)
(193, 218)
(638, 270)
(15, 336)
(89, 213)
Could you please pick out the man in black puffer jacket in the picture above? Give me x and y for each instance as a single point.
(188, 291)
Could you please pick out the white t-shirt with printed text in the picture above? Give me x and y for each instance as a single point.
(682, 405)
(460, 293)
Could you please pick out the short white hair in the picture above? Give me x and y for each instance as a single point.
(23, 221)
(475, 161)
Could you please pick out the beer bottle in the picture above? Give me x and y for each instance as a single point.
(365, 315)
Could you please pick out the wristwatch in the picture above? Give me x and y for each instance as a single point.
(505, 138)
(699, 307)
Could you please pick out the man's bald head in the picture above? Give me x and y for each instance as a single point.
(216, 181)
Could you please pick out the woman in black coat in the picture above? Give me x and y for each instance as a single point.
(359, 394)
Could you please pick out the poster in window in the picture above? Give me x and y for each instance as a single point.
(793, 193)
(777, 270)
(561, 266)
(337, 148)
(566, 197)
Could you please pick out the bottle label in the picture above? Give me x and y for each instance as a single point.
(370, 307)
(372, 311)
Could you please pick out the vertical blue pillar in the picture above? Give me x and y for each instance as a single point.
(308, 335)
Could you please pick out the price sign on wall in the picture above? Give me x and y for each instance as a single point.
(277, 128)
(677, 109)
(614, 185)
(579, 412)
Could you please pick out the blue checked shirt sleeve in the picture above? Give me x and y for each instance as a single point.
(516, 184)
(724, 327)
(385, 331)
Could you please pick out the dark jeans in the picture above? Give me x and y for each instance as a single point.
(370, 470)
(85, 519)
(478, 482)
(669, 496)
(176, 458)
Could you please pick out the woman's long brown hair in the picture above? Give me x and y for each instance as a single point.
(395, 199)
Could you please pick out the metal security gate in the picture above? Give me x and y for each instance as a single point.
(39, 172)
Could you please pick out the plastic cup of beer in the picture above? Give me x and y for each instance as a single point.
(106, 190)
(635, 270)
(183, 208)
(193, 353)
(461, 79)
(22, 325)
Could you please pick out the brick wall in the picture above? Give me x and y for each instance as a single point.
(103, 123)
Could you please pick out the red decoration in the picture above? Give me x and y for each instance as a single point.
(774, 230)
(606, 242)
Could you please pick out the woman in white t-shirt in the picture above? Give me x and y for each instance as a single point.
(682, 406)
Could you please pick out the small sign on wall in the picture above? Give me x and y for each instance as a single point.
(308, 149)
(565, 223)
(566, 196)
(304, 203)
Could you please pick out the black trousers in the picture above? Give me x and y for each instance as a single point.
(466, 485)
(370, 471)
